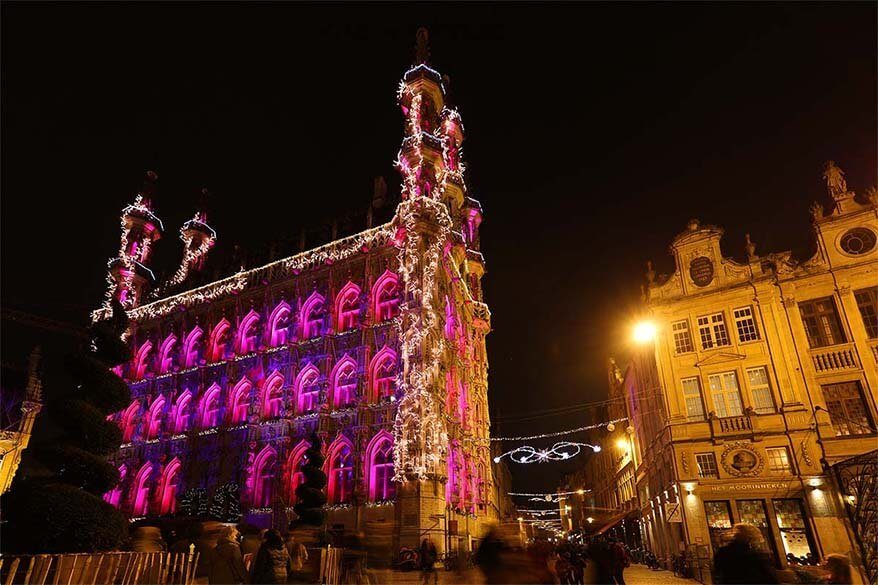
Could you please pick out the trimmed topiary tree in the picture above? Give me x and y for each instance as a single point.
(62, 510)
(310, 498)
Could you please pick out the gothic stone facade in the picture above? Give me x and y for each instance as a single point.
(376, 342)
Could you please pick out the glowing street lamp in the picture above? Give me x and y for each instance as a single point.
(644, 332)
(589, 519)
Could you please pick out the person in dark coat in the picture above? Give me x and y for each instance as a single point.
(227, 564)
(272, 565)
(428, 561)
(742, 561)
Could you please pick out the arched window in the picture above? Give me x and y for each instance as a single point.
(279, 325)
(219, 340)
(192, 348)
(210, 406)
(263, 477)
(382, 374)
(312, 316)
(182, 412)
(482, 483)
(247, 334)
(294, 475)
(379, 468)
(239, 401)
(165, 360)
(272, 395)
(344, 383)
(141, 361)
(450, 319)
(452, 487)
(168, 487)
(114, 496)
(156, 416)
(142, 487)
(347, 307)
(308, 389)
(462, 403)
(340, 471)
(129, 421)
(385, 297)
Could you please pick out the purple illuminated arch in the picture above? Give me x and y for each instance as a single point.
(339, 468)
(278, 330)
(165, 361)
(385, 297)
(272, 395)
(347, 309)
(168, 487)
(129, 421)
(239, 401)
(379, 467)
(344, 382)
(140, 367)
(245, 341)
(182, 413)
(192, 348)
(307, 389)
(311, 317)
(382, 374)
(209, 409)
(155, 417)
(293, 473)
(114, 496)
(264, 468)
(219, 340)
(142, 487)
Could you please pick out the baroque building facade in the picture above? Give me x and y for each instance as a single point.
(755, 400)
(374, 342)
(22, 400)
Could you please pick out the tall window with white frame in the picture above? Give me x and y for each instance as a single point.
(822, 325)
(692, 397)
(778, 461)
(745, 324)
(712, 330)
(706, 465)
(867, 302)
(726, 394)
(760, 389)
(682, 336)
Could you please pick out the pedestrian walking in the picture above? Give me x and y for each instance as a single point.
(428, 562)
(227, 564)
(272, 564)
(839, 567)
(742, 561)
(620, 561)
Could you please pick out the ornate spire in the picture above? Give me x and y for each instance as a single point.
(422, 47)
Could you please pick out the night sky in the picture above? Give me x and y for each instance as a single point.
(593, 133)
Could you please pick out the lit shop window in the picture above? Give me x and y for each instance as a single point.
(794, 532)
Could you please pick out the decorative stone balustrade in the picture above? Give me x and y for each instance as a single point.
(835, 358)
(732, 425)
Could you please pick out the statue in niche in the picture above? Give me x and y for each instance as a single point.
(834, 177)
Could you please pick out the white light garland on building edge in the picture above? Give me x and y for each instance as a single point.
(610, 424)
(558, 452)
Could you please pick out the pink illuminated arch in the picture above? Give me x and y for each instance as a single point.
(382, 374)
(208, 411)
(452, 488)
(307, 388)
(165, 361)
(247, 333)
(182, 414)
(192, 348)
(239, 401)
(279, 325)
(294, 476)
(379, 467)
(129, 421)
(141, 361)
(339, 468)
(156, 415)
(312, 316)
(168, 487)
(462, 403)
(263, 477)
(344, 382)
(272, 395)
(142, 487)
(219, 340)
(347, 309)
(114, 496)
(385, 297)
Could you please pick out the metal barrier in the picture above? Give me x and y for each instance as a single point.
(111, 568)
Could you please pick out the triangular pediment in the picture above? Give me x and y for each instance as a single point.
(719, 358)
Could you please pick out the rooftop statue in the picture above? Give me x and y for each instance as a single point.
(834, 177)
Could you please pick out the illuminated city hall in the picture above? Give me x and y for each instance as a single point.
(753, 399)
(375, 342)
